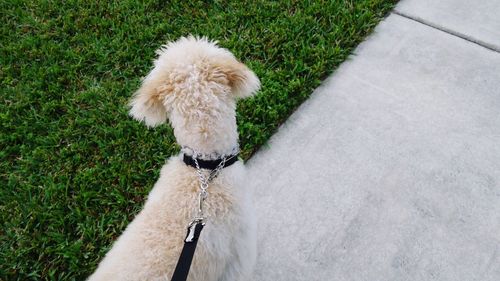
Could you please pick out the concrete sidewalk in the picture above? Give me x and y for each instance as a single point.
(391, 170)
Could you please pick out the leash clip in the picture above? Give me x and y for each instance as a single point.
(192, 229)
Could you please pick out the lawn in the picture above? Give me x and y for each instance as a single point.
(74, 168)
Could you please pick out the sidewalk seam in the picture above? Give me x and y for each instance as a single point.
(448, 31)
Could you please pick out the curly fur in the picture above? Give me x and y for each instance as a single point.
(195, 84)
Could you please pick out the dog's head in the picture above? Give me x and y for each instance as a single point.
(192, 79)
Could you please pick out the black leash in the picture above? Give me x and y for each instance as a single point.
(196, 226)
(182, 269)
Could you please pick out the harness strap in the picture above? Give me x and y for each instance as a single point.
(182, 269)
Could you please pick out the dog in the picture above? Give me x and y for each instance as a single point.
(195, 84)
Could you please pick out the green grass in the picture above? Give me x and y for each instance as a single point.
(74, 168)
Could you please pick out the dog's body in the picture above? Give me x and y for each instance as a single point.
(195, 84)
(151, 245)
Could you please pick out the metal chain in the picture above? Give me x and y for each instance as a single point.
(205, 181)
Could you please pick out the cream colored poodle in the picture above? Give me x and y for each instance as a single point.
(195, 84)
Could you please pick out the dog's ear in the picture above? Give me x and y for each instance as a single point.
(243, 82)
(147, 103)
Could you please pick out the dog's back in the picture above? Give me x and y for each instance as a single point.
(150, 246)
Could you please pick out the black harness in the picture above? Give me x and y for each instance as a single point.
(195, 227)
